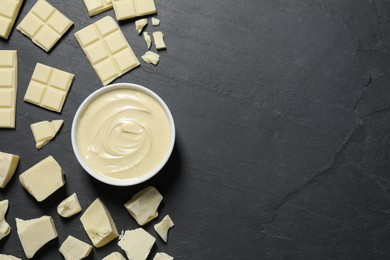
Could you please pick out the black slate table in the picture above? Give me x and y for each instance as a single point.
(282, 112)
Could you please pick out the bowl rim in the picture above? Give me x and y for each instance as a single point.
(88, 101)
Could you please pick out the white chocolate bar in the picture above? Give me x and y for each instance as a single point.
(140, 24)
(73, 248)
(98, 224)
(155, 21)
(8, 12)
(35, 233)
(95, 7)
(43, 179)
(162, 256)
(163, 227)
(107, 49)
(8, 257)
(148, 39)
(48, 87)
(137, 243)
(69, 206)
(44, 131)
(126, 9)
(8, 164)
(144, 204)
(114, 256)
(44, 25)
(151, 57)
(5, 229)
(8, 88)
(158, 38)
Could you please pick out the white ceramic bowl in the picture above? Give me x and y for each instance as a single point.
(90, 170)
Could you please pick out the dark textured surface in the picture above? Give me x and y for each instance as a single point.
(282, 111)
